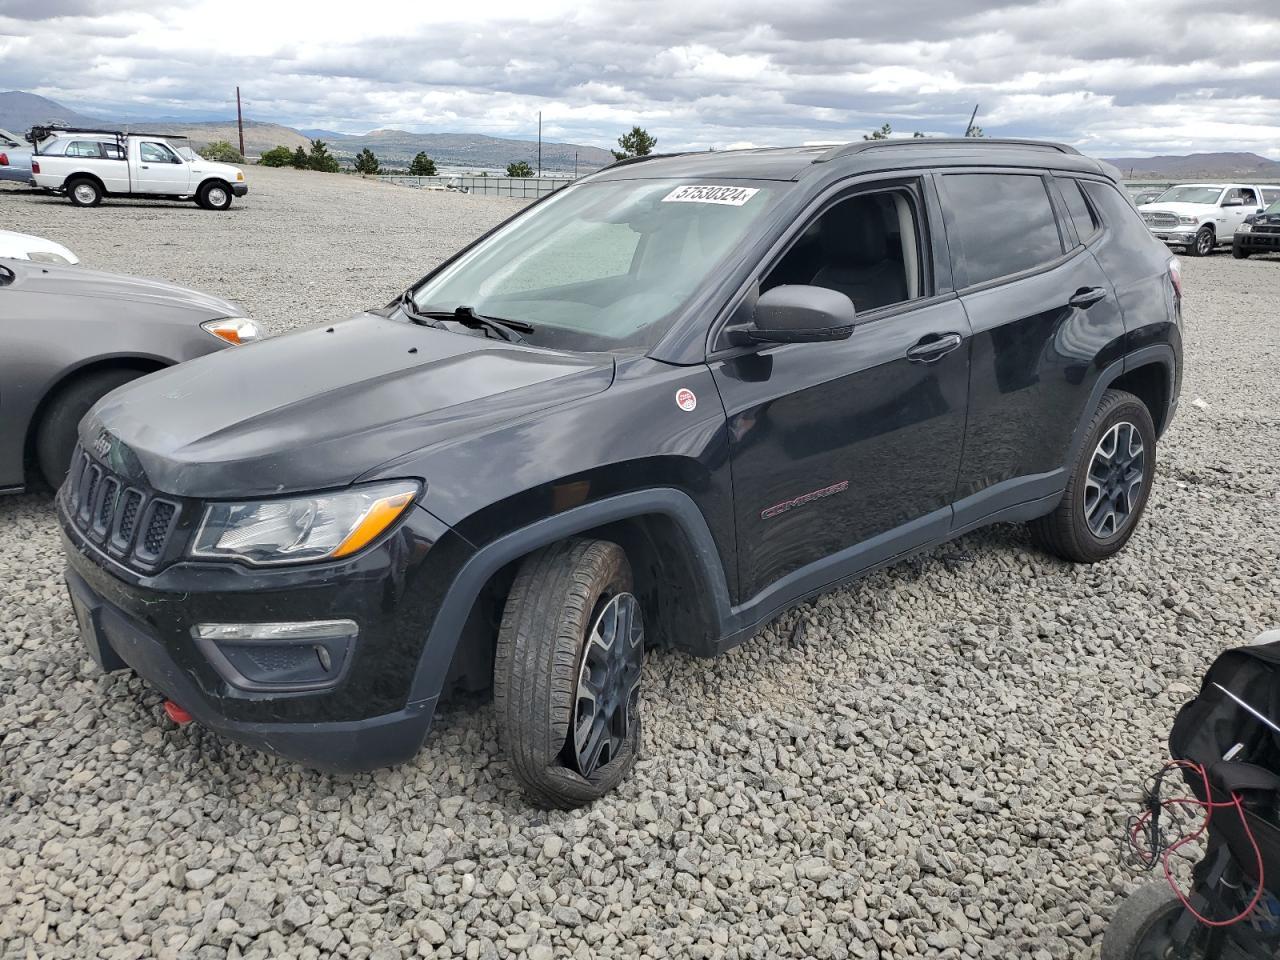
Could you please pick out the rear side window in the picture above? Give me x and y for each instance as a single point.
(1118, 214)
(999, 224)
(1085, 223)
(83, 148)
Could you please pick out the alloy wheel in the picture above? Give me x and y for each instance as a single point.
(1204, 243)
(608, 684)
(1114, 482)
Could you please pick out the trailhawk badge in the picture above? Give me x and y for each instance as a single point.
(685, 399)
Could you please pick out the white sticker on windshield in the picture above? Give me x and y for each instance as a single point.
(709, 193)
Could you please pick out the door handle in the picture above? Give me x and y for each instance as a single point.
(143, 166)
(1086, 297)
(934, 347)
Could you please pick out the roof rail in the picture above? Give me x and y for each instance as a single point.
(42, 130)
(648, 156)
(849, 149)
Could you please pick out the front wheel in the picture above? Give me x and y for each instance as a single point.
(214, 196)
(1203, 243)
(567, 673)
(1142, 928)
(57, 430)
(1238, 251)
(1109, 484)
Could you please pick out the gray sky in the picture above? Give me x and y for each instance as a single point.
(1114, 78)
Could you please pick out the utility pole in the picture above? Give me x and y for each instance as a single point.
(240, 121)
(575, 164)
(539, 143)
(973, 116)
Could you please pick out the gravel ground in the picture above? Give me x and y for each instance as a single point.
(938, 764)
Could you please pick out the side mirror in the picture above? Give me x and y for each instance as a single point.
(795, 313)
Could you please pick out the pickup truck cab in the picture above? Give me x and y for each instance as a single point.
(1201, 216)
(88, 165)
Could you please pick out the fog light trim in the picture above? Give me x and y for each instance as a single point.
(292, 630)
(291, 657)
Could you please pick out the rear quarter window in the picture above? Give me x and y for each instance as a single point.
(1081, 216)
(998, 224)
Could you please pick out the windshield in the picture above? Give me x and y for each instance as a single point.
(1274, 208)
(603, 266)
(1190, 195)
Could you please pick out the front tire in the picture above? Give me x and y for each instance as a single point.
(214, 195)
(1109, 485)
(57, 430)
(567, 673)
(84, 192)
(1203, 243)
(1142, 926)
(1238, 251)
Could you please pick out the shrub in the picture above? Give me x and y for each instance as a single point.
(276, 157)
(422, 166)
(321, 159)
(300, 159)
(519, 169)
(222, 151)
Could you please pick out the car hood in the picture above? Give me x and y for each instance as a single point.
(318, 408)
(77, 281)
(1181, 209)
(211, 168)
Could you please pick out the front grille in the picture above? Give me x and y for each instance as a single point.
(129, 521)
(1266, 228)
(1162, 220)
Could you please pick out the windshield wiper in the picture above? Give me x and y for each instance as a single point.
(509, 330)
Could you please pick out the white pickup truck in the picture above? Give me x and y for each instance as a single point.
(1201, 216)
(88, 165)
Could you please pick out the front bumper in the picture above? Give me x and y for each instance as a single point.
(239, 189)
(1175, 236)
(368, 717)
(1257, 242)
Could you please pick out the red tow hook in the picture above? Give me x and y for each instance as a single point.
(176, 713)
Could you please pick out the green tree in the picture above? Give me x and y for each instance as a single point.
(321, 159)
(883, 133)
(917, 135)
(300, 159)
(366, 162)
(221, 151)
(276, 157)
(519, 168)
(422, 166)
(637, 143)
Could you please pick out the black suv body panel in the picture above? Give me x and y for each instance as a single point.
(740, 478)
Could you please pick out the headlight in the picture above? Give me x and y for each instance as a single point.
(45, 256)
(1244, 228)
(235, 330)
(1189, 221)
(321, 527)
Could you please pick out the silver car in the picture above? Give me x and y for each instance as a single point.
(15, 158)
(69, 336)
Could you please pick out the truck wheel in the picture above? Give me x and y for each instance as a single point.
(566, 675)
(1238, 251)
(1142, 928)
(1203, 243)
(56, 432)
(214, 195)
(1109, 484)
(84, 192)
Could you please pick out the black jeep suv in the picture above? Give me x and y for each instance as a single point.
(1260, 233)
(655, 408)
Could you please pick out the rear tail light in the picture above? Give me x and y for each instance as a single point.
(4, 159)
(1175, 275)
(35, 166)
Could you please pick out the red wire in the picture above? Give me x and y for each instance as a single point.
(1208, 806)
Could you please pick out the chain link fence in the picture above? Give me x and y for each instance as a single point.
(520, 188)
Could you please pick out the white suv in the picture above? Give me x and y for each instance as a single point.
(88, 165)
(1201, 216)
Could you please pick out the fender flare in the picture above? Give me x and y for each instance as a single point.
(83, 175)
(446, 628)
(1159, 353)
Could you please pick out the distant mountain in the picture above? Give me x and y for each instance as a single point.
(1215, 166)
(19, 111)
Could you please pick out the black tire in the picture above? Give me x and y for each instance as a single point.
(214, 195)
(1238, 251)
(55, 437)
(1203, 243)
(1067, 531)
(1140, 929)
(84, 191)
(554, 602)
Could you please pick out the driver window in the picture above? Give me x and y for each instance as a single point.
(156, 153)
(865, 247)
(1249, 199)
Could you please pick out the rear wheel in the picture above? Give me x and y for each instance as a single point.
(1142, 928)
(567, 673)
(56, 431)
(1109, 484)
(84, 192)
(1203, 243)
(215, 195)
